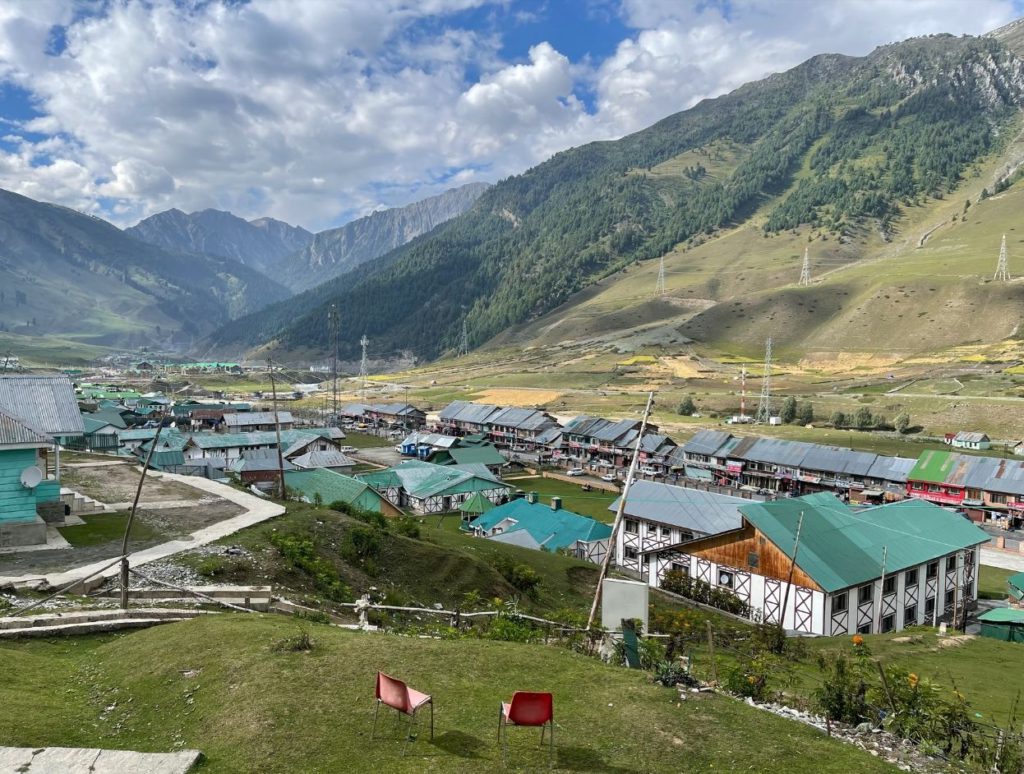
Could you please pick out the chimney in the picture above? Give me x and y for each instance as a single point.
(556, 503)
(532, 498)
(519, 494)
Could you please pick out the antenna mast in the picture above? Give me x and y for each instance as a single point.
(363, 372)
(805, 272)
(463, 349)
(1002, 271)
(743, 392)
(764, 406)
(334, 320)
(659, 289)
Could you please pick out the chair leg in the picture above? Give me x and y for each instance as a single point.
(499, 723)
(542, 730)
(431, 720)
(375, 713)
(408, 738)
(551, 753)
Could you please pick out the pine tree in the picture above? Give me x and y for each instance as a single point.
(686, 407)
(805, 414)
(788, 412)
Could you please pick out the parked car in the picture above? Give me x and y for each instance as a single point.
(649, 471)
(346, 449)
(575, 472)
(609, 477)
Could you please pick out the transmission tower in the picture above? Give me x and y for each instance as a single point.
(1002, 271)
(659, 289)
(764, 406)
(363, 371)
(334, 321)
(463, 341)
(805, 272)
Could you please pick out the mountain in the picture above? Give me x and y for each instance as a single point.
(262, 244)
(66, 274)
(847, 154)
(337, 251)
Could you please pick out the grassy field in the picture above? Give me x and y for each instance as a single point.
(593, 504)
(365, 440)
(102, 528)
(224, 686)
(992, 582)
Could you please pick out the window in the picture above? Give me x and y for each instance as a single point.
(752, 559)
(631, 526)
(950, 596)
(933, 570)
(725, 579)
(973, 494)
(683, 568)
(865, 593)
(864, 629)
(666, 532)
(950, 563)
(840, 602)
(997, 498)
(916, 486)
(954, 491)
(888, 622)
(934, 488)
(889, 585)
(910, 615)
(630, 553)
(929, 606)
(910, 577)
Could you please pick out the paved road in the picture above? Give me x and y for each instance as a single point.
(378, 455)
(82, 760)
(1004, 559)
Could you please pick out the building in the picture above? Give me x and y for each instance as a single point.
(329, 487)
(518, 429)
(1003, 623)
(985, 487)
(877, 570)
(256, 421)
(329, 460)
(461, 417)
(425, 488)
(420, 444)
(391, 415)
(35, 412)
(660, 515)
(601, 443)
(486, 455)
(527, 523)
(966, 440)
(260, 466)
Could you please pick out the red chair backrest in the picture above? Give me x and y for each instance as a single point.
(531, 709)
(392, 692)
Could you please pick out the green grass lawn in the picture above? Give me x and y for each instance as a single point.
(221, 685)
(992, 582)
(102, 528)
(365, 440)
(593, 504)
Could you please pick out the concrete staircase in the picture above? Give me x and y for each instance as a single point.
(90, 621)
(79, 503)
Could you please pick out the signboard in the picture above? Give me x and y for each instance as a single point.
(623, 599)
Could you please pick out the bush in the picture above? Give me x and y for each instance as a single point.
(788, 412)
(522, 577)
(301, 642)
(838, 419)
(902, 423)
(686, 406)
(843, 691)
(863, 419)
(408, 527)
(682, 584)
(361, 544)
(749, 677)
(805, 414)
(301, 554)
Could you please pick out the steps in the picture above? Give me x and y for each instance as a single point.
(253, 597)
(90, 621)
(79, 503)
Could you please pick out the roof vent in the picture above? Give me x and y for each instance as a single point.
(556, 503)
(532, 497)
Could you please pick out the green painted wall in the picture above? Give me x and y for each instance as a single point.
(48, 491)
(16, 502)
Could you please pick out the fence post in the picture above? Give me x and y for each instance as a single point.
(885, 686)
(711, 653)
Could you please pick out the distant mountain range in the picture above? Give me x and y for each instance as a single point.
(835, 152)
(293, 256)
(66, 274)
(262, 244)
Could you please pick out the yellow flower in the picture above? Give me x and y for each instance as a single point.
(912, 679)
(858, 640)
(751, 679)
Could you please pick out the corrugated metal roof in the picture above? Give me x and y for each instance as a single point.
(550, 437)
(774, 451)
(46, 402)
(331, 486)
(968, 437)
(617, 432)
(891, 468)
(1003, 615)
(14, 432)
(257, 418)
(464, 411)
(706, 442)
(991, 474)
(425, 479)
(700, 512)
(840, 548)
(551, 529)
(520, 418)
(323, 459)
(836, 460)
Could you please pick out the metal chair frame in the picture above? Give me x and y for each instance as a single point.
(412, 713)
(505, 723)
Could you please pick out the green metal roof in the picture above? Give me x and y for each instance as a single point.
(330, 485)
(933, 466)
(1016, 584)
(840, 548)
(425, 479)
(478, 455)
(551, 529)
(477, 503)
(1003, 615)
(91, 425)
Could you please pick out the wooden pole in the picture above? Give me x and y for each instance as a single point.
(619, 511)
(711, 653)
(277, 429)
(789, 582)
(131, 517)
(881, 594)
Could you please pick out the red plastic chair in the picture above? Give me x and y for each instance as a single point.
(528, 709)
(400, 697)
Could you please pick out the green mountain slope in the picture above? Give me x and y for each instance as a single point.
(848, 147)
(65, 274)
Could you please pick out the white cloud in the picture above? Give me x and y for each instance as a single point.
(310, 111)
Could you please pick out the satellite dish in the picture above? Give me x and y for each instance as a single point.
(31, 477)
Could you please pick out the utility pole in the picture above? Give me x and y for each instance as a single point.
(881, 595)
(743, 392)
(363, 370)
(277, 429)
(612, 546)
(805, 272)
(7, 360)
(1002, 271)
(659, 289)
(792, 568)
(334, 320)
(764, 406)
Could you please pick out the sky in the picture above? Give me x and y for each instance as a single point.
(320, 111)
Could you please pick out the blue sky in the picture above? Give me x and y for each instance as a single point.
(316, 112)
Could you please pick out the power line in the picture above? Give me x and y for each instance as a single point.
(363, 370)
(463, 341)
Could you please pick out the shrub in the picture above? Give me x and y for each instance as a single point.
(680, 583)
(361, 544)
(749, 677)
(686, 406)
(838, 419)
(843, 691)
(408, 527)
(522, 577)
(300, 642)
(301, 554)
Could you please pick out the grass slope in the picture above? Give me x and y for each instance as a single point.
(219, 685)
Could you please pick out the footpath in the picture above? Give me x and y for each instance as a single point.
(256, 510)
